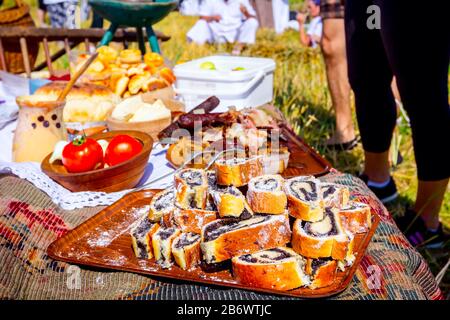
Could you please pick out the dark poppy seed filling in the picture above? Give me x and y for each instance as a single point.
(328, 190)
(186, 239)
(164, 201)
(192, 201)
(266, 256)
(317, 263)
(192, 178)
(212, 179)
(142, 250)
(267, 185)
(213, 230)
(245, 214)
(304, 190)
(142, 229)
(327, 226)
(165, 234)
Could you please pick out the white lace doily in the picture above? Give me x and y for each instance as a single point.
(73, 200)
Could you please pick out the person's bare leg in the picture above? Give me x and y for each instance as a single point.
(333, 49)
(430, 195)
(376, 166)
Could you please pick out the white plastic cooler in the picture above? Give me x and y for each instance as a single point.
(250, 87)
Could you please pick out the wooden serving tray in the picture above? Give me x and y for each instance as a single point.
(304, 160)
(104, 242)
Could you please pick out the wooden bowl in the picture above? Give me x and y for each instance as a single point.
(153, 127)
(123, 176)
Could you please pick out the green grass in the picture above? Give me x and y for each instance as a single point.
(300, 91)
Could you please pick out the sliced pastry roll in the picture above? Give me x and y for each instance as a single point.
(334, 195)
(162, 245)
(304, 198)
(162, 203)
(322, 239)
(265, 194)
(237, 171)
(193, 220)
(141, 238)
(191, 187)
(278, 268)
(321, 271)
(212, 186)
(230, 202)
(212, 179)
(225, 238)
(356, 217)
(186, 250)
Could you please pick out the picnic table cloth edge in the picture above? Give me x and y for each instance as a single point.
(29, 222)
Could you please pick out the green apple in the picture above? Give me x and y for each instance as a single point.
(208, 65)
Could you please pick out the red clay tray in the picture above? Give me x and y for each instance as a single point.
(104, 241)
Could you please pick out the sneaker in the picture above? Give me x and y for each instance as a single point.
(385, 194)
(415, 230)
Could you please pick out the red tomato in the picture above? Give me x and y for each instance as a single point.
(121, 148)
(82, 154)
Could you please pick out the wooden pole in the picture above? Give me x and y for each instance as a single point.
(2, 56)
(25, 57)
(48, 58)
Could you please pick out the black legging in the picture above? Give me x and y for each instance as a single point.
(413, 45)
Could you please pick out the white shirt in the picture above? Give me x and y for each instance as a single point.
(231, 14)
(190, 7)
(315, 30)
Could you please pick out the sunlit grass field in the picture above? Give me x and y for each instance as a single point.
(300, 91)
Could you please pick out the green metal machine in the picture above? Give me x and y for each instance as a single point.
(133, 13)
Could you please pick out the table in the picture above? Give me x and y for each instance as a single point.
(30, 221)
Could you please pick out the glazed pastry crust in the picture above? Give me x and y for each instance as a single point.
(283, 275)
(338, 247)
(271, 234)
(264, 201)
(304, 211)
(324, 276)
(238, 174)
(358, 220)
(192, 220)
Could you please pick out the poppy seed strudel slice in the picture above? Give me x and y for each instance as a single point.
(225, 238)
(322, 239)
(334, 195)
(356, 217)
(193, 220)
(186, 250)
(191, 189)
(265, 194)
(230, 202)
(304, 198)
(278, 269)
(141, 238)
(237, 171)
(162, 245)
(162, 203)
(322, 272)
